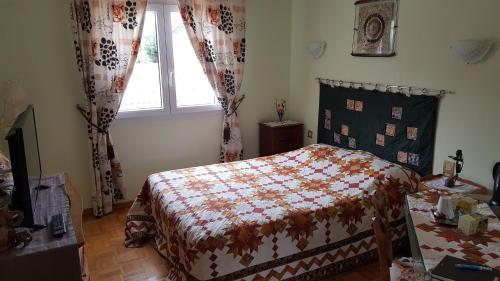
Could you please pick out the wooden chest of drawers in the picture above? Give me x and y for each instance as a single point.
(279, 137)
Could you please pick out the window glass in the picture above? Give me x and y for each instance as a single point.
(144, 87)
(167, 77)
(191, 84)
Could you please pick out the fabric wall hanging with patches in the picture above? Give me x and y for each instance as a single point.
(395, 127)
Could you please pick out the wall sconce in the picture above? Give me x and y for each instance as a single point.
(316, 49)
(472, 50)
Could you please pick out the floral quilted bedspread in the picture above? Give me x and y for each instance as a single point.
(271, 217)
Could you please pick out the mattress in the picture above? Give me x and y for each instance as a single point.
(300, 214)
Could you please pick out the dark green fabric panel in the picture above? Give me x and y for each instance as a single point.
(418, 111)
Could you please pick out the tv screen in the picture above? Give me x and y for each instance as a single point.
(25, 161)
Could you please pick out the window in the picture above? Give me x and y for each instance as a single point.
(167, 76)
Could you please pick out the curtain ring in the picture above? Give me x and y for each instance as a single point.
(408, 94)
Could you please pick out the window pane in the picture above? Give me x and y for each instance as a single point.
(144, 90)
(191, 85)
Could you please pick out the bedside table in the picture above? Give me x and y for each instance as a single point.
(278, 137)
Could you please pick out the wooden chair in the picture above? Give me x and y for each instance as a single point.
(400, 269)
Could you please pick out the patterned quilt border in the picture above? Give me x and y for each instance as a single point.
(328, 270)
(399, 226)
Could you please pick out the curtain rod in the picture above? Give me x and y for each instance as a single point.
(396, 89)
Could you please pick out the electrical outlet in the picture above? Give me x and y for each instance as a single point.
(310, 134)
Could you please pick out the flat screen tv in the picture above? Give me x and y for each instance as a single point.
(26, 167)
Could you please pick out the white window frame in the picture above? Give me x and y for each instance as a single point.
(167, 68)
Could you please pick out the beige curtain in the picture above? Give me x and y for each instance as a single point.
(216, 29)
(107, 36)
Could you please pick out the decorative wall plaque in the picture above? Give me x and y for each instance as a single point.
(375, 28)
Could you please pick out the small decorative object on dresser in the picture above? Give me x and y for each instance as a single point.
(9, 238)
(280, 107)
(459, 164)
(375, 28)
(6, 181)
(279, 137)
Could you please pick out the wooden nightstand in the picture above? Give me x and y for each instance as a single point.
(279, 137)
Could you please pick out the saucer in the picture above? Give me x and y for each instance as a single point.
(441, 219)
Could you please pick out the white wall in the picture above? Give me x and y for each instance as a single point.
(468, 120)
(37, 48)
(158, 144)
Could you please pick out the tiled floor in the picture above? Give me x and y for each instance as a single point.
(109, 260)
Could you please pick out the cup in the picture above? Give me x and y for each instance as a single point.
(445, 207)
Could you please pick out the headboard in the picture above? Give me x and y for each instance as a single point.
(398, 128)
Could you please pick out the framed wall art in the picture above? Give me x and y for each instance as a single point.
(375, 28)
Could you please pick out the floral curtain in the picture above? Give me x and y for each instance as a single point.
(106, 36)
(216, 29)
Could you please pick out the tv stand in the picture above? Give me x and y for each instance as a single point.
(46, 257)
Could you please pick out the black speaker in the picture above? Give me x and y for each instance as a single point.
(495, 200)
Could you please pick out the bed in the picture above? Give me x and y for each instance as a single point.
(299, 215)
(304, 213)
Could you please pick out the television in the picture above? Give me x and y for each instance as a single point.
(26, 167)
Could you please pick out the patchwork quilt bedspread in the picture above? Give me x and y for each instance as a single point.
(295, 215)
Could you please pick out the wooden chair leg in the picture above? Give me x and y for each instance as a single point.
(383, 235)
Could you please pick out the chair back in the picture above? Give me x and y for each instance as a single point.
(383, 235)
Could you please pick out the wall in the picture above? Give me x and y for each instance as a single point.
(157, 144)
(468, 119)
(37, 49)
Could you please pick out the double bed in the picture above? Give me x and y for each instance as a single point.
(300, 215)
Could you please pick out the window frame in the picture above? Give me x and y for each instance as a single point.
(167, 69)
